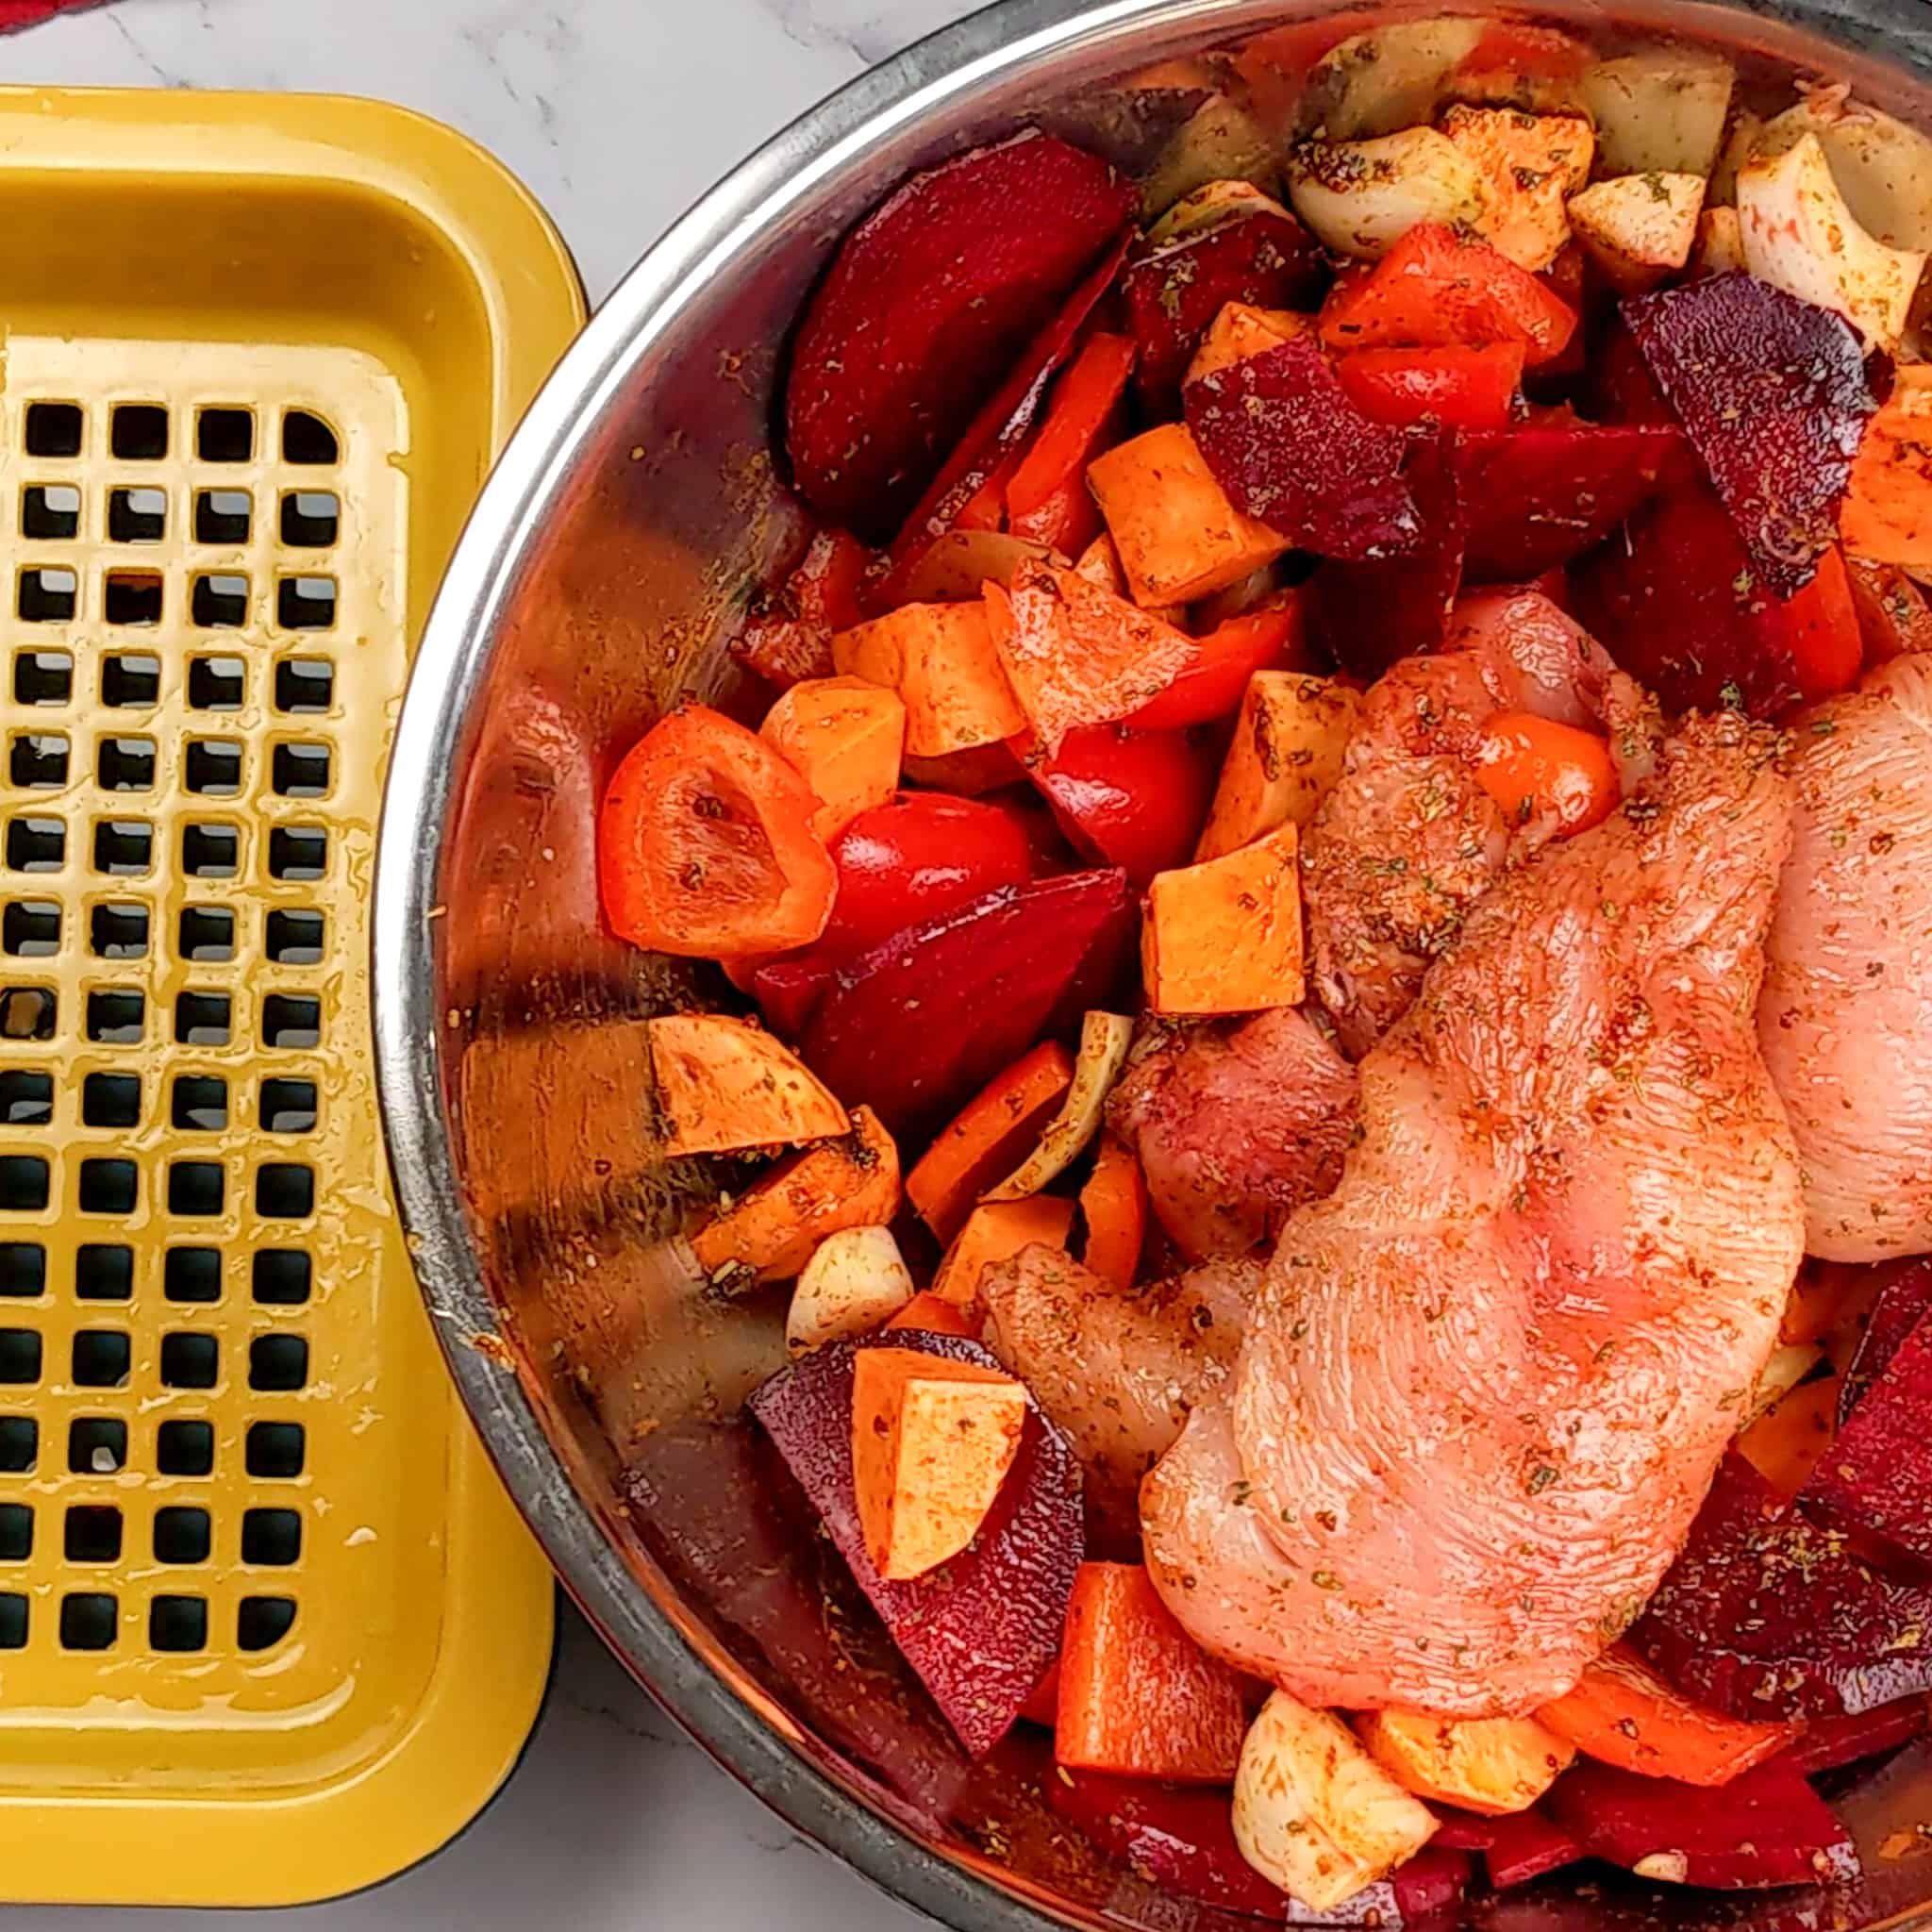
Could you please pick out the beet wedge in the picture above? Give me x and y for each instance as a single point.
(921, 1021)
(1539, 497)
(981, 1630)
(1773, 396)
(1769, 1615)
(1875, 1480)
(1832, 1741)
(1768, 1827)
(1904, 1301)
(927, 305)
(1516, 1847)
(1288, 447)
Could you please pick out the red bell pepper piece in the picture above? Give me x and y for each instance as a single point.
(1820, 628)
(1269, 639)
(789, 634)
(705, 846)
(1086, 401)
(1134, 799)
(1435, 286)
(1448, 388)
(1067, 522)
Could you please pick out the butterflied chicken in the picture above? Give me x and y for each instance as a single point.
(1409, 840)
(1236, 1125)
(1119, 1373)
(1491, 1376)
(1846, 1017)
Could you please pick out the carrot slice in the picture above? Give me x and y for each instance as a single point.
(1623, 1713)
(929, 1313)
(1113, 1203)
(1534, 767)
(725, 1084)
(844, 737)
(1224, 935)
(770, 1230)
(993, 1232)
(1139, 1697)
(991, 1134)
(1085, 401)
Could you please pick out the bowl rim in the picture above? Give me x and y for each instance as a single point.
(452, 664)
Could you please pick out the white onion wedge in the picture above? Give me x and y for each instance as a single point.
(1104, 1041)
(1882, 166)
(856, 1281)
(1387, 78)
(1361, 197)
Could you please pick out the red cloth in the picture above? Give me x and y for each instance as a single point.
(14, 13)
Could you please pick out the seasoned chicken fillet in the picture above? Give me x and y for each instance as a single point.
(1846, 1018)
(1490, 1378)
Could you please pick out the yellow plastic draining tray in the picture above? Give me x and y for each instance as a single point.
(269, 1628)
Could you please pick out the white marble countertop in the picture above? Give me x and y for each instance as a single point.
(617, 113)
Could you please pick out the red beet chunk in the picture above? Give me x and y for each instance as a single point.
(990, 442)
(1540, 497)
(982, 1630)
(1134, 799)
(920, 1023)
(1771, 393)
(1526, 1845)
(1902, 1304)
(1284, 440)
(1767, 1827)
(925, 307)
(1432, 1883)
(1835, 1740)
(1175, 289)
(1876, 1478)
(1766, 1615)
(1371, 614)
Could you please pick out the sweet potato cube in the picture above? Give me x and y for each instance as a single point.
(1177, 535)
(724, 1085)
(1530, 165)
(1224, 935)
(1888, 509)
(927, 1313)
(1242, 330)
(989, 1137)
(1138, 1696)
(844, 737)
(1493, 1765)
(768, 1233)
(932, 1441)
(993, 1232)
(941, 661)
(1283, 760)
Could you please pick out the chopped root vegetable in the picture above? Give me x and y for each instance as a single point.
(1177, 535)
(1639, 229)
(1786, 1442)
(932, 1441)
(1075, 654)
(1113, 1206)
(1493, 1765)
(993, 1232)
(1799, 236)
(1888, 508)
(1104, 1041)
(1894, 617)
(856, 1281)
(844, 737)
(991, 1133)
(725, 1085)
(1623, 1713)
(1530, 165)
(959, 566)
(1790, 1363)
(1226, 936)
(941, 661)
(1240, 330)
(1138, 1696)
(1314, 1813)
(1662, 112)
(769, 1232)
(1539, 770)
(1361, 197)
(1389, 78)
(1883, 166)
(1284, 759)
(932, 1315)
(705, 846)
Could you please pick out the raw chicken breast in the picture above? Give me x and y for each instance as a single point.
(1846, 1017)
(1409, 840)
(1119, 1373)
(1236, 1125)
(1491, 1376)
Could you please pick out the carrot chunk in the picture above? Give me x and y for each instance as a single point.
(935, 1316)
(1536, 768)
(1139, 1697)
(844, 737)
(1113, 1204)
(941, 661)
(724, 1085)
(772, 1229)
(988, 1138)
(1224, 935)
(994, 1231)
(932, 1440)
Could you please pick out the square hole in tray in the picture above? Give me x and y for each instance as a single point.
(137, 516)
(26, 1185)
(103, 1271)
(111, 1100)
(222, 516)
(50, 510)
(200, 1103)
(213, 767)
(89, 1620)
(296, 938)
(217, 684)
(192, 1274)
(38, 760)
(116, 1017)
(305, 685)
(260, 1622)
(29, 1012)
(124, 764)
(306, 438)
(108, 1187)
(282, 1277)
(54, 429)
(26, 1097)
(131, 680)
(204, 1019)
(96, 1445)
(133, 596)
(185, 1448)
(35, 844)
(310, 519)
(220, 602)
(48, 594)
(177, 1624)
(118, 932)
(43, 678)
(207, 934)
(138, 432)
(22, 1269)
(30, 928)
(225, 434)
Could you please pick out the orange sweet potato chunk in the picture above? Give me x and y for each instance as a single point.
(941, 661)
(1284, 757)
(1224, 935)
(989, 1137)
(932, 1441)
(1888, 508)
(1241, 330)
(724, 1085)
(992, 1232)
(844, 737)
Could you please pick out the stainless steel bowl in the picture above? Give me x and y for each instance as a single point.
(599, 577)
